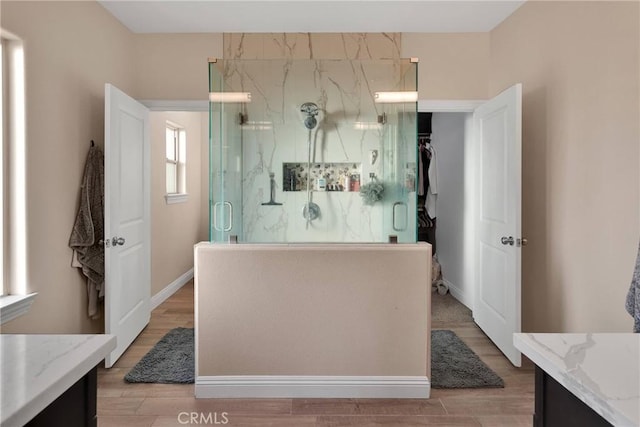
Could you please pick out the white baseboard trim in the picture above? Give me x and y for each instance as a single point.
(459, 294)
(292, 386)
(171, 289)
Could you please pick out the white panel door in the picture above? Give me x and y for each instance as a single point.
(496, 309)
(127, 219)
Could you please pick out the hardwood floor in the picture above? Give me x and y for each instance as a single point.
(121, 404)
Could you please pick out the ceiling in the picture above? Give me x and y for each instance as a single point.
(267, 16)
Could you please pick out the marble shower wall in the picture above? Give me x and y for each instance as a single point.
(312, 45)
(338, 72)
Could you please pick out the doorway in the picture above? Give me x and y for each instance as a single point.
(445, 134)
(170, 226)
(179, 196)
(483, 229)
(451, 136)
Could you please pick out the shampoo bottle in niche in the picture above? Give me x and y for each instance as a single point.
(347, 183)
(355, 182)
(321, 184)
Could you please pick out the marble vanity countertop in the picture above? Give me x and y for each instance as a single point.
(36, 369)
(601, 369)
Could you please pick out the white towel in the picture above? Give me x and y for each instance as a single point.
(432, 193)
(633, 297)
(420, 177)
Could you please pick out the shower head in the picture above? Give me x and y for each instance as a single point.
(311, 110)
(310, 122)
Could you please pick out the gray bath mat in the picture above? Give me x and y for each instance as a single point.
(170, 361)
(454, 365)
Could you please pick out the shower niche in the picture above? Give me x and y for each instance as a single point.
(343, 177)
(287, 136)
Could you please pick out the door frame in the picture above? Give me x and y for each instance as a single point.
(171, 105)
(471, 197)
(161, 106)
(449, 106)
(175, 105)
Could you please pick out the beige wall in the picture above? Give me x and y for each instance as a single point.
(578, 62)
(313, 309)
(452, 66)
(174, 66)
(175, 228)
(71, 50)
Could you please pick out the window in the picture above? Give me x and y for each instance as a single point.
(3, 193)
(14, 300)
(175, 161)
(2, 169)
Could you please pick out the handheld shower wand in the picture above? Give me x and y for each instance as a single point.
(311, 210)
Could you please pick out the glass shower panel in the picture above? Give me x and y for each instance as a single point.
(400, 151)
(399, 174)
(306, 140)
(225, 158)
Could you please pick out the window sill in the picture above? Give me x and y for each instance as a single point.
(12, 306)
(176, 198)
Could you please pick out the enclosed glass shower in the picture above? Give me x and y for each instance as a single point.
(312, 150)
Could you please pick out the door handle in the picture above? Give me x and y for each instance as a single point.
(507, 240)
(117, 241)
(223, 205)
(399, 221)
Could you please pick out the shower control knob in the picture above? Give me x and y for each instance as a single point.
(117, 241)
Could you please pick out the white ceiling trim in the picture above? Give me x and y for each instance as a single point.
(266, 16)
